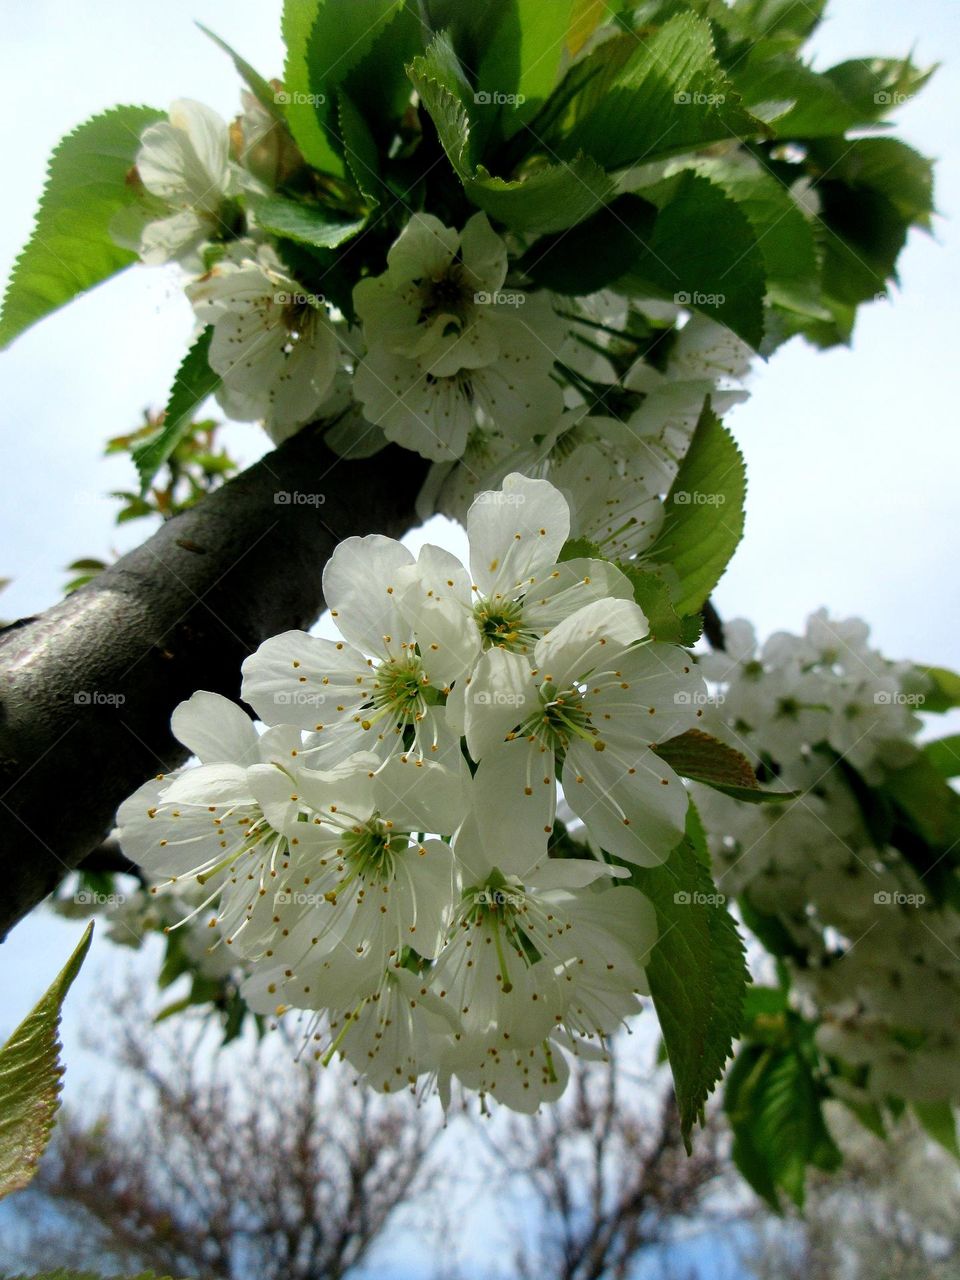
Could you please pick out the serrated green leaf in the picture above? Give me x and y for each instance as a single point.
(671, 96)
(703, 758)
(299, 99)
(546, 199)
(697, 972)
(929, 803)
(378, 85)
(704, 520)
(652, 594)
(543, 37)
(703, 253)
(939, 1120)
(30, 1075)
(360, 149)
(194, 381)
(784, 236)
(944, 755)
(306, 223)
(71, 248)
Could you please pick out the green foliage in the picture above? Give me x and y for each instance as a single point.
(193, 383)
(71, 248)
(696, 971)
(652, 594)
(30, 1075)
(670, 96)
(943, 689)
(312, 224)
(703, 252)
(939, 1120)
(944, 755)
(704, 522)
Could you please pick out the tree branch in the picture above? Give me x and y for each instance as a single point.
(89, 686)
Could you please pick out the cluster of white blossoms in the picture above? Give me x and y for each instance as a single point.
(449, 352)
(875, 959)
(380, 854)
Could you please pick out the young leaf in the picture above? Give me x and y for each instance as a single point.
(71, 248)
(30, 1075)
(652, 594)
(704, 522)
(671, 96)
(696, 971)
(261, 89)
(298, 97)
(194, 381)
(550, 198)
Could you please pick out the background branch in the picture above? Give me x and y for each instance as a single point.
(89, 686)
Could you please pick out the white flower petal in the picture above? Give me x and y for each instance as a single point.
(215, 729)
(515, 534)
(360, 588)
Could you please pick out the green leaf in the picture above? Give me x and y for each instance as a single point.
(704, 253)
(877, 86)
(360, 149)
(299, 99)
(306, 223)
(671, 96)
(545, 199)
(944, 755)
(775, 1109)
(794, 101)
(30, 1075)
(652, 594)
(704, 521)
(543, 36)
(71, 248)
(702, 758)
(929, 803)
(378, 84)
(194, 381)
(943, 693)
(940, 1122)
(594, 253)
(696, 971)
(784, 236)
(880, 166)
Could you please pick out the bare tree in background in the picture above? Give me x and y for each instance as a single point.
(226, 1166)
(608, 1178)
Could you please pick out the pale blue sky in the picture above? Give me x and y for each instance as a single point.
(853, 456)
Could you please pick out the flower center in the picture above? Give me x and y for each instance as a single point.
(448, 293)
(399, 690)
(501, 625)
(371, 850)
(561, 717)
